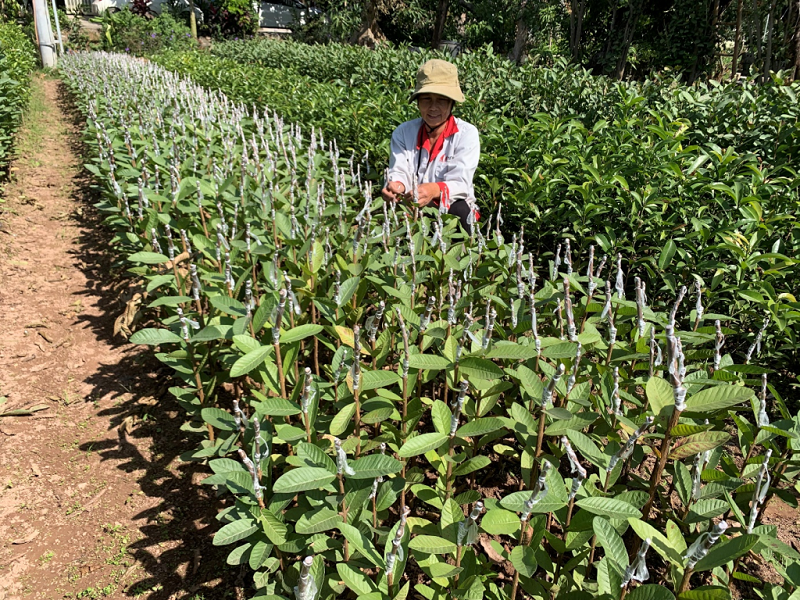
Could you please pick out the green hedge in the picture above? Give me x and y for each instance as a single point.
(17, 60)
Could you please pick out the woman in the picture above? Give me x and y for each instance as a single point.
(441, 150)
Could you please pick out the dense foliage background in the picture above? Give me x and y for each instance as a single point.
(620, 38)
(17, 60)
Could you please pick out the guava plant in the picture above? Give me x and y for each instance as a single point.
(394, 408)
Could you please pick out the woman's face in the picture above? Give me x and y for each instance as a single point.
(434, 109)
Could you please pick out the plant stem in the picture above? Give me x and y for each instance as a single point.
(684, 586)
(344, 516)
(655, 479)
(448, 480)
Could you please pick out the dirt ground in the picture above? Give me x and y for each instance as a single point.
(94, 500)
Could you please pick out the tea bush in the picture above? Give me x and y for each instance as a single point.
(17, 60)
(629, 173)
(390, 405)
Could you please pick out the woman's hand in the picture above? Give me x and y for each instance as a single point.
(393, 192)
(427, 193)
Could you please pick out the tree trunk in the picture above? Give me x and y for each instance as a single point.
(793, 42)
(441, 19)
(737, 39)
(759, 35)
(521, 37)
(611, 32)
(630, 28)
(577, 11)
(369, 34)
(770, 30)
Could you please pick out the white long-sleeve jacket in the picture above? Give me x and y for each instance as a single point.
(452, 168)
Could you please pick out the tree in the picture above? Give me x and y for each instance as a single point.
(369, 33)
(577, 11)
(634, 12)
(793, 39)
(522, 32)
(441, 19)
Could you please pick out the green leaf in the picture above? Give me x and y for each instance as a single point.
(498, 521)
(251, 360)
(274, 529)
(475, 463)
(716, 398)
(577, 423)
(347, 289)
(726, 551)
(524, 560)
(228, 305)
(702, 510)
(611, 541)
(355, 579)
(665, 258)
(155, 337)
(148, 258)
(361, 543)
(302, 480)
(697, 443)
(300, 333)
(375, 465)
(318, 521)
(706, 592)
(428, 362)
(479, 368)
(609, 507)
(512, 352)
(210, 333)
(218, 418)
(441, 416)
(372, 380)
(650, 591)
(659, 541)
(235, 531)
(478, 427)
(259, 554)
(169, 301)
(342, 420)
(441, 570)
(683, 482)
(276, 407)
(317, 256)
(421, 444)
(587, 447)
(659, 394)
(555, 499)
(431, 544)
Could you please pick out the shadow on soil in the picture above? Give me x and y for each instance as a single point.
(175, 550)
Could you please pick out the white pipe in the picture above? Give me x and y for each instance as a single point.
(46, 44)
(60, 40)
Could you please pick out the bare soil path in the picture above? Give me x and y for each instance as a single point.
(94, 500)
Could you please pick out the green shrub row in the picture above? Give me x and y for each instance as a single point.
(746, 117)
(634, 183)
(396, 410)
(17, 60)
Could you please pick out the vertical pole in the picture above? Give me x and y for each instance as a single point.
(45, 33)
(58, 29)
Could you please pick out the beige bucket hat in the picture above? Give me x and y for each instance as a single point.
(438, 77)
